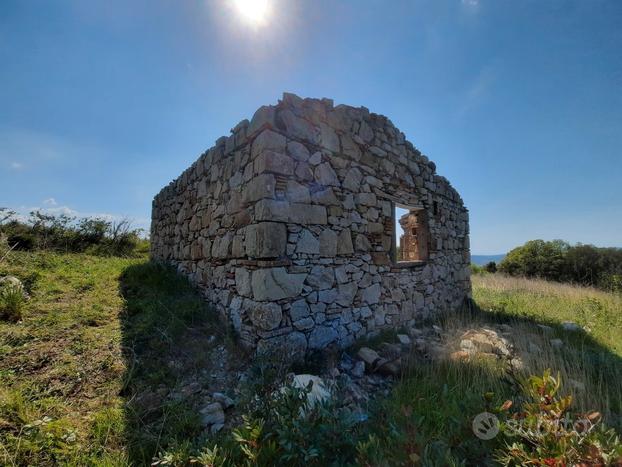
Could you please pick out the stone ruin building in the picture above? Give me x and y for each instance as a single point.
(288, 228)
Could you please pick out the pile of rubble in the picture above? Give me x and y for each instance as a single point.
(357, 377)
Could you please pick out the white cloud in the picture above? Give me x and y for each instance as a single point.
(16, 165)
(50, 202)
(471, 3)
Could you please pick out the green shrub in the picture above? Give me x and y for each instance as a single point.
(491, 267)
(12, 302)
(284, 429)
(543, 431)
(559, 261)
(68, 234)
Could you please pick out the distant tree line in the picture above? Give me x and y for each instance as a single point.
(557, 260)
(43, 231)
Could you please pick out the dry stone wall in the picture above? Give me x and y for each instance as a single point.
(287, 227)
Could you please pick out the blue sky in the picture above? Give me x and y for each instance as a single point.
(519, 103)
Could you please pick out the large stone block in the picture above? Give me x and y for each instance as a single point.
(268, 140)
(261, 186)
(274, 162)
(297, 192)
(353, 180)
(366, 199)
(299, 310)
(321, 277)
(263, 118)
(266, 240)
(325, 196)
(346, 293)
(321, 336)
(243, 282)
(307, 214)
(308, 243)
(271, 284)
(222, 246)
(329, 138)
(266, 316)
(344, 243)
(297, 213)
(325, 175)
(298, 151)
(371, 294)
(299, 128)
(328, 243)
(272, 210)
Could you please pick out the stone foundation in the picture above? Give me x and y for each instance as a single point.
(287, 227)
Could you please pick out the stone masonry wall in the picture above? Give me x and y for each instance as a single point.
(286, 226)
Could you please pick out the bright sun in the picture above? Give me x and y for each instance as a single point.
(253, 11)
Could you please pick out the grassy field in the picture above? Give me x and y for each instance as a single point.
(92, 374)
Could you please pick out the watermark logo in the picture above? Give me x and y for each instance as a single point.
(485, 426)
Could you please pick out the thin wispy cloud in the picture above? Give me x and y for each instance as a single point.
(50, 202)
(21, 148)
(477, 90)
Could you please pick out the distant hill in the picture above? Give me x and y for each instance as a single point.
(481, 260)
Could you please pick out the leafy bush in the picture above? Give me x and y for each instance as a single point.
(68, 234)
(284, 429)
(559, 261)
(544, 432)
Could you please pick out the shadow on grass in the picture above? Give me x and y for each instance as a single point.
(589, 370)
(173, 345)
(173, 342)
(431, 409)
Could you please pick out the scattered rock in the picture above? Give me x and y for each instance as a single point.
(190, 389)
(517, 363)
(404, 339)
(390, 351)
(224, 400)
(556, 343)
(358, 370)
(391, 368)
(467, 345)
(212, 414)
(216, 427)
(571, 326)
(459, 355)
(486, 341)
(545, 329)
(369, 356)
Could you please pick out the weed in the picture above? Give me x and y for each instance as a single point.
(12, 302)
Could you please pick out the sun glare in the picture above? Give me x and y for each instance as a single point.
(253, 11)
